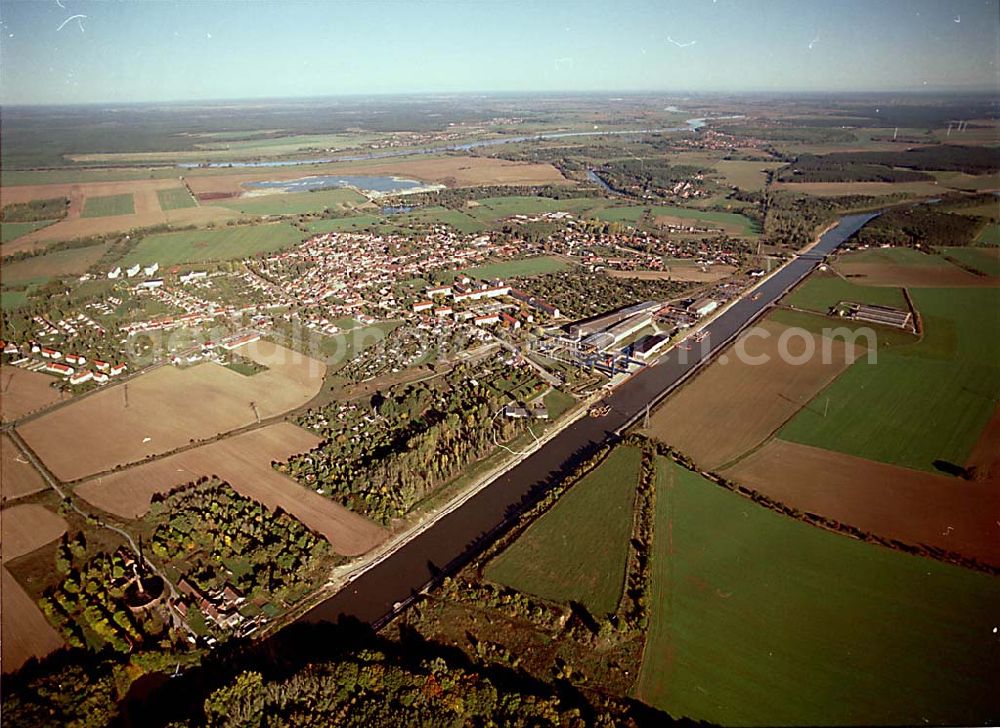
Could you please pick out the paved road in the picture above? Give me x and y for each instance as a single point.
(392, 583)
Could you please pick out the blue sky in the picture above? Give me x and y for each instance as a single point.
(162, 51)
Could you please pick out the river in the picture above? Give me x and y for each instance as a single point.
(391, 584)
(690, 125)
(460, 535)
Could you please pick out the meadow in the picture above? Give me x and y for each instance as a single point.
(193, 246)
(13, 230)
(990, 235)
(71, 261)
(523, 267)
(577, 550)
(738, 223)
(919, 403)
(984, 260)
(759, 619)
(108, 205)
(175, 198)
(296, 203)
(821, 291)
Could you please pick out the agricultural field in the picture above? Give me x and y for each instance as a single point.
(984, 260)
(691, 273)
(175, 198)
(296, 203)
(728, 221)
(920, 404)
(747, 175)
(194, 246)
(38, 268)
(492, 209)
(344, 224)
(18, 477)
(730, 408)
(903, 267)
(758, 619)
(911, 506)
(523, 267)
(10, 300)
(10, 231)
(24, 528)
(822, 291)
(577, 550)
(990, 235)
(108, 205)
(168, 408)
(842, 189)
(25, 392)
(243, 461)
(453, 171)
(24, 631)
(435, 215)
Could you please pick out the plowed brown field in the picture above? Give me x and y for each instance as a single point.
(908, 505)
(731, 407)
(168, 408)
(244, 461)
(24, 392)
(17, 476)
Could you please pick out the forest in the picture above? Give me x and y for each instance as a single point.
(580, 294)
(853, 165)
(920, 225)
(381, 458)
(53, 208)
(834, 168)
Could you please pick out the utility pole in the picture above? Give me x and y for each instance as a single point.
(645, 419)
(253, 406)
(126, 394)
(826, 407)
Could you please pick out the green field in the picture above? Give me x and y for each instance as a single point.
(108, 205)
(9, 300)
(193, 246)
(38, 268)
(918, 403)
(175, 198)
(758, 619)
(745, 174)
(821, 291)
(492, 209)
(344, 224)
(739, 223)
(984, 260)
(990, 235)
(13, 230)
(522, 267)
(438, 215)
(894, 256)
(296, 203)
(990, 210)
(577, 551)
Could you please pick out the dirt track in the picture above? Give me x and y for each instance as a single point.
(908, 505)
(168, 408)
(244, 461)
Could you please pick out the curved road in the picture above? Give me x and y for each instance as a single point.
(391, 584)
